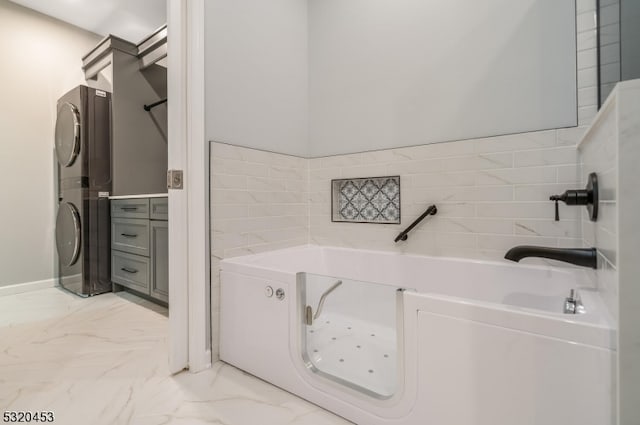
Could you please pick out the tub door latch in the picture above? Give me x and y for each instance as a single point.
(309, 317)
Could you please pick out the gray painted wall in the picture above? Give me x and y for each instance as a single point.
(139, 137)
(41, 60)
(256, 74)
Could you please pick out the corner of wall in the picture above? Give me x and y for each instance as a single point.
(598, 152)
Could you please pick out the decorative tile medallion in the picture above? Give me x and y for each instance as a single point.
(366, 200)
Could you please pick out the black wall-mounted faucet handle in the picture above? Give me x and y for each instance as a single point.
(587, 197)
(556, 198)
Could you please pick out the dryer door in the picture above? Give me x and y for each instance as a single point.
(68, 234)
(67, 134)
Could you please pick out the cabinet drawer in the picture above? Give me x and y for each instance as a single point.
(159, 208)
(132, 271)
(130, 208)
(130, 235)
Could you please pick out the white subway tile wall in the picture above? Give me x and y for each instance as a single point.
(491, 194)
(259, 202)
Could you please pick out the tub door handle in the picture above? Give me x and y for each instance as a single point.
(309, 317)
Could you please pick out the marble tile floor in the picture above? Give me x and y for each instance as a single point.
(103, 361)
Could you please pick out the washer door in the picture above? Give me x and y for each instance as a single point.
(68, 234)
(67, 134)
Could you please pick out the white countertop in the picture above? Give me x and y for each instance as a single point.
(147, 195)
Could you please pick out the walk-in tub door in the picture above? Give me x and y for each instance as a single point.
(67, 134)
(350, 332)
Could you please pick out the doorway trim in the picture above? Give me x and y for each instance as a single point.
(189, 264)
(198, 194)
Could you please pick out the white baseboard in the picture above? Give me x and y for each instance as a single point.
(27, 287)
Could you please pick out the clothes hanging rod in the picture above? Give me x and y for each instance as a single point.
(154, 104)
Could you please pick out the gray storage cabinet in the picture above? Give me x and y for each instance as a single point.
(140, 246)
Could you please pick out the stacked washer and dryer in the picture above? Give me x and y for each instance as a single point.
(107, 145)
(83, 149)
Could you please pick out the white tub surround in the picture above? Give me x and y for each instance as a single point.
(492, 194)
(475, 342)
(611, 149)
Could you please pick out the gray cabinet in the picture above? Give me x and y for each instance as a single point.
(130, 208)
(140, 246)
(132, 271)
(159, 285)
(159, 209)
(130, 235)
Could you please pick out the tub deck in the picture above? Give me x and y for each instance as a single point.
(533, 289)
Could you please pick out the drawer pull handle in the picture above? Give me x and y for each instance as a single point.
(132, 271)
(128, 208)
(128, 235)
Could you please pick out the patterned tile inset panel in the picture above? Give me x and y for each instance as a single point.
(366, 200)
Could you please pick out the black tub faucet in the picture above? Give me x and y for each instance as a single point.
(585, 257)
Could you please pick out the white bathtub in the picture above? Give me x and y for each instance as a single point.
(475, 342)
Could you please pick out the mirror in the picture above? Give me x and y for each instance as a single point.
(386, 74)
(618, 44)
(325, 77)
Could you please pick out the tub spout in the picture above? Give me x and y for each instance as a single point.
(585, 257)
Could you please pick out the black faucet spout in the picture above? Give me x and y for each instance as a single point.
(585, 257)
